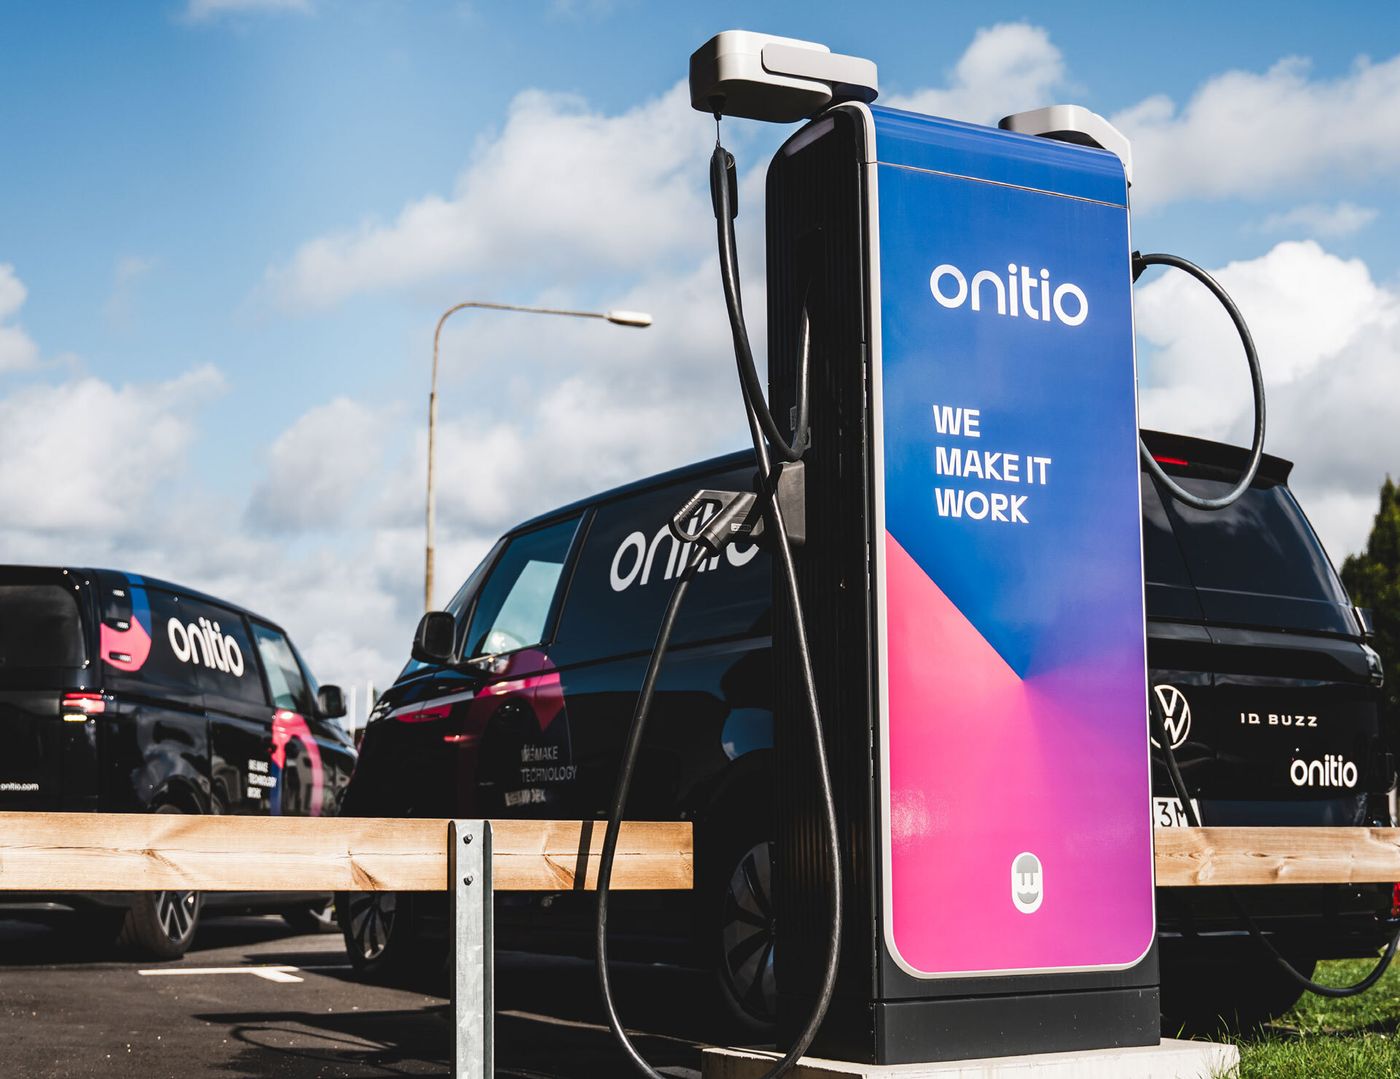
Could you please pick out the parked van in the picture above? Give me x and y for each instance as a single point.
(1258, 658)
(120, 693)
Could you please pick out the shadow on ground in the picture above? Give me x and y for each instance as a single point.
(549, 1022)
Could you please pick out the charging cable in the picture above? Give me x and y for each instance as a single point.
(732, 518)
(1159, 732)
(1256, 378)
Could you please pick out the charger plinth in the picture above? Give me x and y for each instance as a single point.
(1169, 1059)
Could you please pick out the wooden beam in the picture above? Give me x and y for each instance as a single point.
(90, 852)
(121, 852)
(1218, 856)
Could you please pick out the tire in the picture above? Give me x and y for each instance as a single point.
(97, 929)
(736, 922)
(161, 925)
(1231, 994)
(382, 939)
(313, 917)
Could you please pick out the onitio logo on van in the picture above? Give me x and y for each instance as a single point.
(634, 561)
(1333, 770)
(203, 643)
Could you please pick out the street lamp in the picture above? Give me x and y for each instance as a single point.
(638, 319)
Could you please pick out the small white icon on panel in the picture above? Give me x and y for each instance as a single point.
(1027, 883)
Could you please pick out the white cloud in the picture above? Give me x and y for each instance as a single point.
(204, 10)
(17, 349)
(1010, 67)
(1321, 220)
(1248, 134)
(562, 193)
(87, 455)
(1329, 343)
(319, 469)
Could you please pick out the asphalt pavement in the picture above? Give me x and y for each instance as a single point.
(252, 998)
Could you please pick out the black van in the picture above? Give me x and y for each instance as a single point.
(120, 693)
(1270, 692)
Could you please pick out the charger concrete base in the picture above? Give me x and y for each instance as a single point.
(1170, 1059)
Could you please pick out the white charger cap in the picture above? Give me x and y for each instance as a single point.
(1076, 124)
(778, 79)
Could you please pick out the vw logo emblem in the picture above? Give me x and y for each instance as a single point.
(1176, 714)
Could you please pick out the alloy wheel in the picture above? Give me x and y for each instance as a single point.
(176, 912)
(748, 937)
(371, 922)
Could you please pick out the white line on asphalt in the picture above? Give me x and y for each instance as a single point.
(271, 974)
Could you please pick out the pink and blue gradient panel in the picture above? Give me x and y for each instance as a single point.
(1016, 679)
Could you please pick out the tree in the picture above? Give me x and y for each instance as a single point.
(1373, 579)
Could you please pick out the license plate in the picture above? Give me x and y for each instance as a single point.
(1169, 812)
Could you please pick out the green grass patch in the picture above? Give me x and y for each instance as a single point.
(1323, 1038)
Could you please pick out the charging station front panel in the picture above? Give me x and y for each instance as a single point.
(1008, 595)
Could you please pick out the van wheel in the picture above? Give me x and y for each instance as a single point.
(737, 922)
(1232, 994)
(382, 938)
(161, 925)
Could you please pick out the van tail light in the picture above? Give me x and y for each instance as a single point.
(1395, 901)
(1171, 461)
(77, 706)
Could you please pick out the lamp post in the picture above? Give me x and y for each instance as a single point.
(638, 319)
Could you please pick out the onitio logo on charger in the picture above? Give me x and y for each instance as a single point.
(1022, 294)
(1333, 770)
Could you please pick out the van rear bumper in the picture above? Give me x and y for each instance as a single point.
(1332, 921)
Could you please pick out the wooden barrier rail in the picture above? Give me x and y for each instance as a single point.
(1217, 856)
(135, 851)
(131, 852)
(473, 859)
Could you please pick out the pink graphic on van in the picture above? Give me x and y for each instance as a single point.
(125, 649)
(287, 725)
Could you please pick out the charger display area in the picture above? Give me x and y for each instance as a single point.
(974, 558)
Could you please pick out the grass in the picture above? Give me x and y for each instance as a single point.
(1332, 1039)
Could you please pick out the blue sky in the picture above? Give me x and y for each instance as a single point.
(229, 226)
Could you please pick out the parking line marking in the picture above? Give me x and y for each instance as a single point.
(271, 974)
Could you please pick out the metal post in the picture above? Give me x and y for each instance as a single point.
(473, 949)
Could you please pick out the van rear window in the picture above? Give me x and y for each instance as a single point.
(1262, 544)
(40, 626)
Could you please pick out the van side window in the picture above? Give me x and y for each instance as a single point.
(628, 568)
(513, 610)
(175, 658)
(215, 644)
(284, 677)
(40, 626)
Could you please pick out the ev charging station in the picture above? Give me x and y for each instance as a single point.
(973, 559)
(951, 488)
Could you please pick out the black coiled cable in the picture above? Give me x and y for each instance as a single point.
(764, 431)
(1256, 379)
